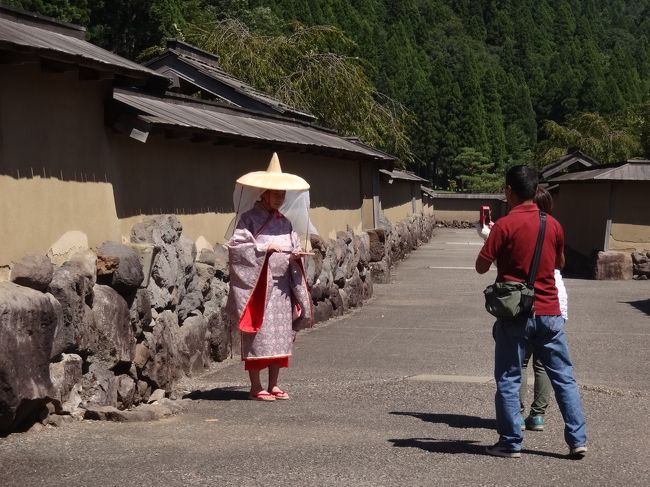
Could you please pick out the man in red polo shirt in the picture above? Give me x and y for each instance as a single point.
(511, 244)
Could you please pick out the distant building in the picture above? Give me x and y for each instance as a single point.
(605, 207)
(575, 161)
(194, 72)
(451, 207)
(401, 194)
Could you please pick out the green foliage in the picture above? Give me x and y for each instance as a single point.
(72, 11)
(473, 171)
(516, 80)
(128, 27)
(299, 70)
(606, 139)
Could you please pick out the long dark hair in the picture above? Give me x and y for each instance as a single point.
(543, 200)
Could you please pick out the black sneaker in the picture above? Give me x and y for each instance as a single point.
(578, 452)
(498, 450)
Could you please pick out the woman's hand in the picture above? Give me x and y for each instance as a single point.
(296, 254)
(272, 248)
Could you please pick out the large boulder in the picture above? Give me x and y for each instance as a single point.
(186, 254)
(127, 389)
(219, 328)
(204, 251)
(27, 326)
(165, 270)
(203, 276)
(339, 306)
(162, 229)
(129, 275)
(323, 311)
(313, 267)
(221, 265)
(64, 374)
(364, 248)
(613, 266)
(86, 261)
(193, 345)
(641, 261)
(318, 244)
(33, 271)
(140, 312)
(59, 340)
(218, 321)
(380, 272)
(72, 287)
(354, 289)
(99, 386)
(367, 287)
(68, 244)
(376, 242)
(163, 367)
(116, 340)
(191, 303)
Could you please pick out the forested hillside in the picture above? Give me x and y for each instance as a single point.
(480, 78)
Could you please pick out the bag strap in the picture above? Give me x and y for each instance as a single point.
(532, 273)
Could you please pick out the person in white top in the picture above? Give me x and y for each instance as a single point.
(542, 389)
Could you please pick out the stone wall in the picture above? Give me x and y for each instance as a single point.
(101, 333)
(394, 243)
(618, 265)
(607, 266)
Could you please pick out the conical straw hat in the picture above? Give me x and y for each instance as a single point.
(273, 178)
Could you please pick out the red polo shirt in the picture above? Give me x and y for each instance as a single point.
(511, 244)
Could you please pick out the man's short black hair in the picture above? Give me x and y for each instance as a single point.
(523, 180)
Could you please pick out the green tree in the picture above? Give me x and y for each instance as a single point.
(605, 139)
(295, 69)
(474, 172)
(72, 11)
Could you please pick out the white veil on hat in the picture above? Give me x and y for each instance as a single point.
(249, 189)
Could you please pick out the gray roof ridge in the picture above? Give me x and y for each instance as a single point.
(217, 106)
(234, 82)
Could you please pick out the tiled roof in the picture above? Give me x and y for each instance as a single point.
(632, 170)
(172, 112)
(403, 175)
(25, 33)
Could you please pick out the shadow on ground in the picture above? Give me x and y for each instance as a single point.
(453, 420)
(642, 305)
(434, 445)
(219, 394)
(453, 447)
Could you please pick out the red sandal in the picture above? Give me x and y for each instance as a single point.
(280, 394)
(262, 396)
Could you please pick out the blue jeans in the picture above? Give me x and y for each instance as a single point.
(545, 336)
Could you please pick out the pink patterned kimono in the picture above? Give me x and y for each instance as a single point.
(268, 295)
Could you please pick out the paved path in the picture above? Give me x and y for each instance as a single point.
(397, 393)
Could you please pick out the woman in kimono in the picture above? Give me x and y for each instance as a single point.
(269, 298)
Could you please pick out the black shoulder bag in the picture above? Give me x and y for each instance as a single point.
(510, 300)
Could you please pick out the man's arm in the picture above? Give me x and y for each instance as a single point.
(482, 265)
(560, 261)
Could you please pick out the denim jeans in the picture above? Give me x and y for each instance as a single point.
(545, 336)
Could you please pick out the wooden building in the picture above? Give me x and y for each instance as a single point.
(401, 194)
(575, 161)
(605, 208)
(93, 142)
(464, 207)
